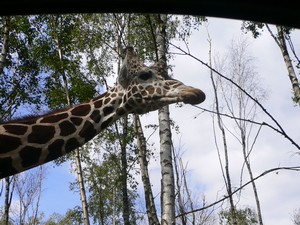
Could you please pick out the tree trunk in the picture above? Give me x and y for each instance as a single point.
(126, 205)
(39, 195)
(81, 187)
(8, 198)
(226, 174)
(245, 111)
(142, 153)
(76, 151)
(248, 165)
(180, 189)
(280, 41)
(166, 161)
(5, 43)
(166, 158)
(289, 65)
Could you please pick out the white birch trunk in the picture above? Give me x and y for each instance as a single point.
(142, 153)
(166, 158)
(289, 65)
(5, 43)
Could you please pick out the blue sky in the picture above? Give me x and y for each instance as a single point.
(279, 193)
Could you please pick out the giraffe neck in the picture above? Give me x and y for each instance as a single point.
(43, 139)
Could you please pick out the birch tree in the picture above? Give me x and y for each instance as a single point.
(166, 158)
(280, 39)
(283, 39)
(239, 68)
(143, 161)
(5, 42)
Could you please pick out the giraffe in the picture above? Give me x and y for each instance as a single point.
(29, 142)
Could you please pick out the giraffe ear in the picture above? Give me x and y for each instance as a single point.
(127, 55)
(123, 78)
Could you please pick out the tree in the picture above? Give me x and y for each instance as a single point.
(221, 126)
(281, 38)
(166, 159)
(72, 217)
(239, 67)
(5, 42)
(143, 162)
(28, 189)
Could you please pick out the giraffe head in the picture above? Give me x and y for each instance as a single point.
(149, 88)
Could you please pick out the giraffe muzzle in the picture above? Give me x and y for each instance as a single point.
(190, 95)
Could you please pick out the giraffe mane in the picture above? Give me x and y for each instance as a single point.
(31, 118)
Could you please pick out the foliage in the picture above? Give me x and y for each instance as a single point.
(246, 216)
(61, 60)
(19, 82)
(103, 174)
(256, 28)
(72, 217)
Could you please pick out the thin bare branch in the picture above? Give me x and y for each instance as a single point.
(279, 130)
(292, 168)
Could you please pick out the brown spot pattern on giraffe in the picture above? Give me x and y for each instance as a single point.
(76, 120)
(88, 131)
(41, 134)
(66, 128)
(6, 167)
(15, 129)
(81, 110)
(108, 110)
(106, 123)
(95, 116)
(71, 144)
(107, 100)
(98, 104)
(54, 118)
(120, 111)
(8, 143)
(134, 89)
(30, 156)
(150, 89)
(167, 87)
(54, 150)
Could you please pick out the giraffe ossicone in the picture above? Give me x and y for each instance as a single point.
(139, 89)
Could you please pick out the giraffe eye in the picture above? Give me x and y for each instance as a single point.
(145, 76)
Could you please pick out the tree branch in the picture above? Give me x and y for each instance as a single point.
(295, 168)
(279, 130)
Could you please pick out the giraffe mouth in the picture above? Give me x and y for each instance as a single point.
(193, 96)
